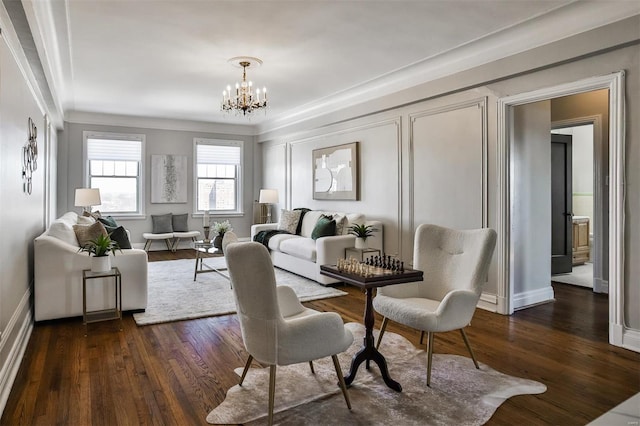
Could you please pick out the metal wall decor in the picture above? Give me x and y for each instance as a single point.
(29, 157)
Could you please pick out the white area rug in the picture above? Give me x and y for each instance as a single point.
(174, 296)
(459, 394)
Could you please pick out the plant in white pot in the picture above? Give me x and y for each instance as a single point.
(100, 247)
(362, 232)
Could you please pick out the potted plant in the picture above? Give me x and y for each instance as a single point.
(100, 247)
(220, 228)
(362, 232)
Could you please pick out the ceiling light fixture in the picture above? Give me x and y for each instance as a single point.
(244, 100)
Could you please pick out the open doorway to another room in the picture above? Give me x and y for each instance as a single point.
(580, 268)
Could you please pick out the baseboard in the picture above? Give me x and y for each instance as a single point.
(488, 302)
(22, 318)
(624, 337)
(600, 285)
(533, 297)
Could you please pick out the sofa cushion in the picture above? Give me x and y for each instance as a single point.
(180, 222)
(63, 231)
(161, 223)
(86, 233)
(289, 220)
(303, 248)
(275, 240)
(325, 227)
(107, 221)
(85, 220)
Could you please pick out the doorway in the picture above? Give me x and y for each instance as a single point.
(510, 255)
(585, 235)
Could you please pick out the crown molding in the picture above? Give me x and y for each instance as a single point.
(566, 21)
(81, 117)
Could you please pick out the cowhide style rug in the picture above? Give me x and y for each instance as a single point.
(459, 393)
(174, 295)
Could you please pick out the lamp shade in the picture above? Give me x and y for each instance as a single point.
(87, 197)
(268, 196)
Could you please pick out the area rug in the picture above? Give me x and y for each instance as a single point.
(173, 294)
(459, 393)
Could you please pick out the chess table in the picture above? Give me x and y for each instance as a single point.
(379, 277)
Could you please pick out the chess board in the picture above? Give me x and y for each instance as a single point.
(379, 276)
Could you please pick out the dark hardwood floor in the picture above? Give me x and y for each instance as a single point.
(175, 373)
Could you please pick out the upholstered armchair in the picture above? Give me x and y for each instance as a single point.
(276, 328)
(455, 265)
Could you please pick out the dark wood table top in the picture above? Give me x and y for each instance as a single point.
(381, 278)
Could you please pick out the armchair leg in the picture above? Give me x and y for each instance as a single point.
(343, 385)
(272, 391)
(246, 368)
(429, 356)
(383, 327)
(466, 342)
(311, 365)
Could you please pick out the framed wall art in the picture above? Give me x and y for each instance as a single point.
(335, 172)
(168, 178)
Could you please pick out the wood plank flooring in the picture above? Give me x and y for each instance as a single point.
(175, 373)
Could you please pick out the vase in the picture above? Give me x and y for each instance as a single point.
(217, 241)
(100, 263)
(361, 243)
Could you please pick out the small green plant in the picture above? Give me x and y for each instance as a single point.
(221, 227)
(362, 231)
(101, 246)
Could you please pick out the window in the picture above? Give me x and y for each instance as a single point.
(217, 175)
(113, 163)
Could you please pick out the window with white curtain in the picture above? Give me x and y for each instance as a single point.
(114, 164)
(217, 185)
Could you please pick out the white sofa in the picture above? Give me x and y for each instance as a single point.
(302, 255)
(58, 275)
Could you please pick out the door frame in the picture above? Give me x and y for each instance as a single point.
(504, 251)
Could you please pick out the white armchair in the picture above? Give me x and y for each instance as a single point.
(276, 328)
(455, 265)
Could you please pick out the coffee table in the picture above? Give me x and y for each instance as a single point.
(380, 279)
(201, 247)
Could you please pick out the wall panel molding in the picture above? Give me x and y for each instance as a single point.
(481, 104)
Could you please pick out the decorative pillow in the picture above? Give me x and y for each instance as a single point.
(85, 220)
(341, 223)
(162, 223)
(179, 222)
(86, 233)
(289, 220)
(119, 235)
(95, 215)
(108, 221)
(325, 227)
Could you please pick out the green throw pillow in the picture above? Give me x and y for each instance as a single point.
(119, 235)
(325, 227)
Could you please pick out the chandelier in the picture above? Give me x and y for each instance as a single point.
(244, 100)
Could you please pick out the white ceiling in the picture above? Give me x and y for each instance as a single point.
(168, 59)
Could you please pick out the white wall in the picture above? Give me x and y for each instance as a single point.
(22, 215)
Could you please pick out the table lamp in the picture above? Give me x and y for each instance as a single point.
(268, 197)
(87, 197)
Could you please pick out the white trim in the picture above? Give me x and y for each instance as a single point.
(488, 302)
(22, 316)
(533, 297)
(615, 84)
(140, 137)
(239, 211)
